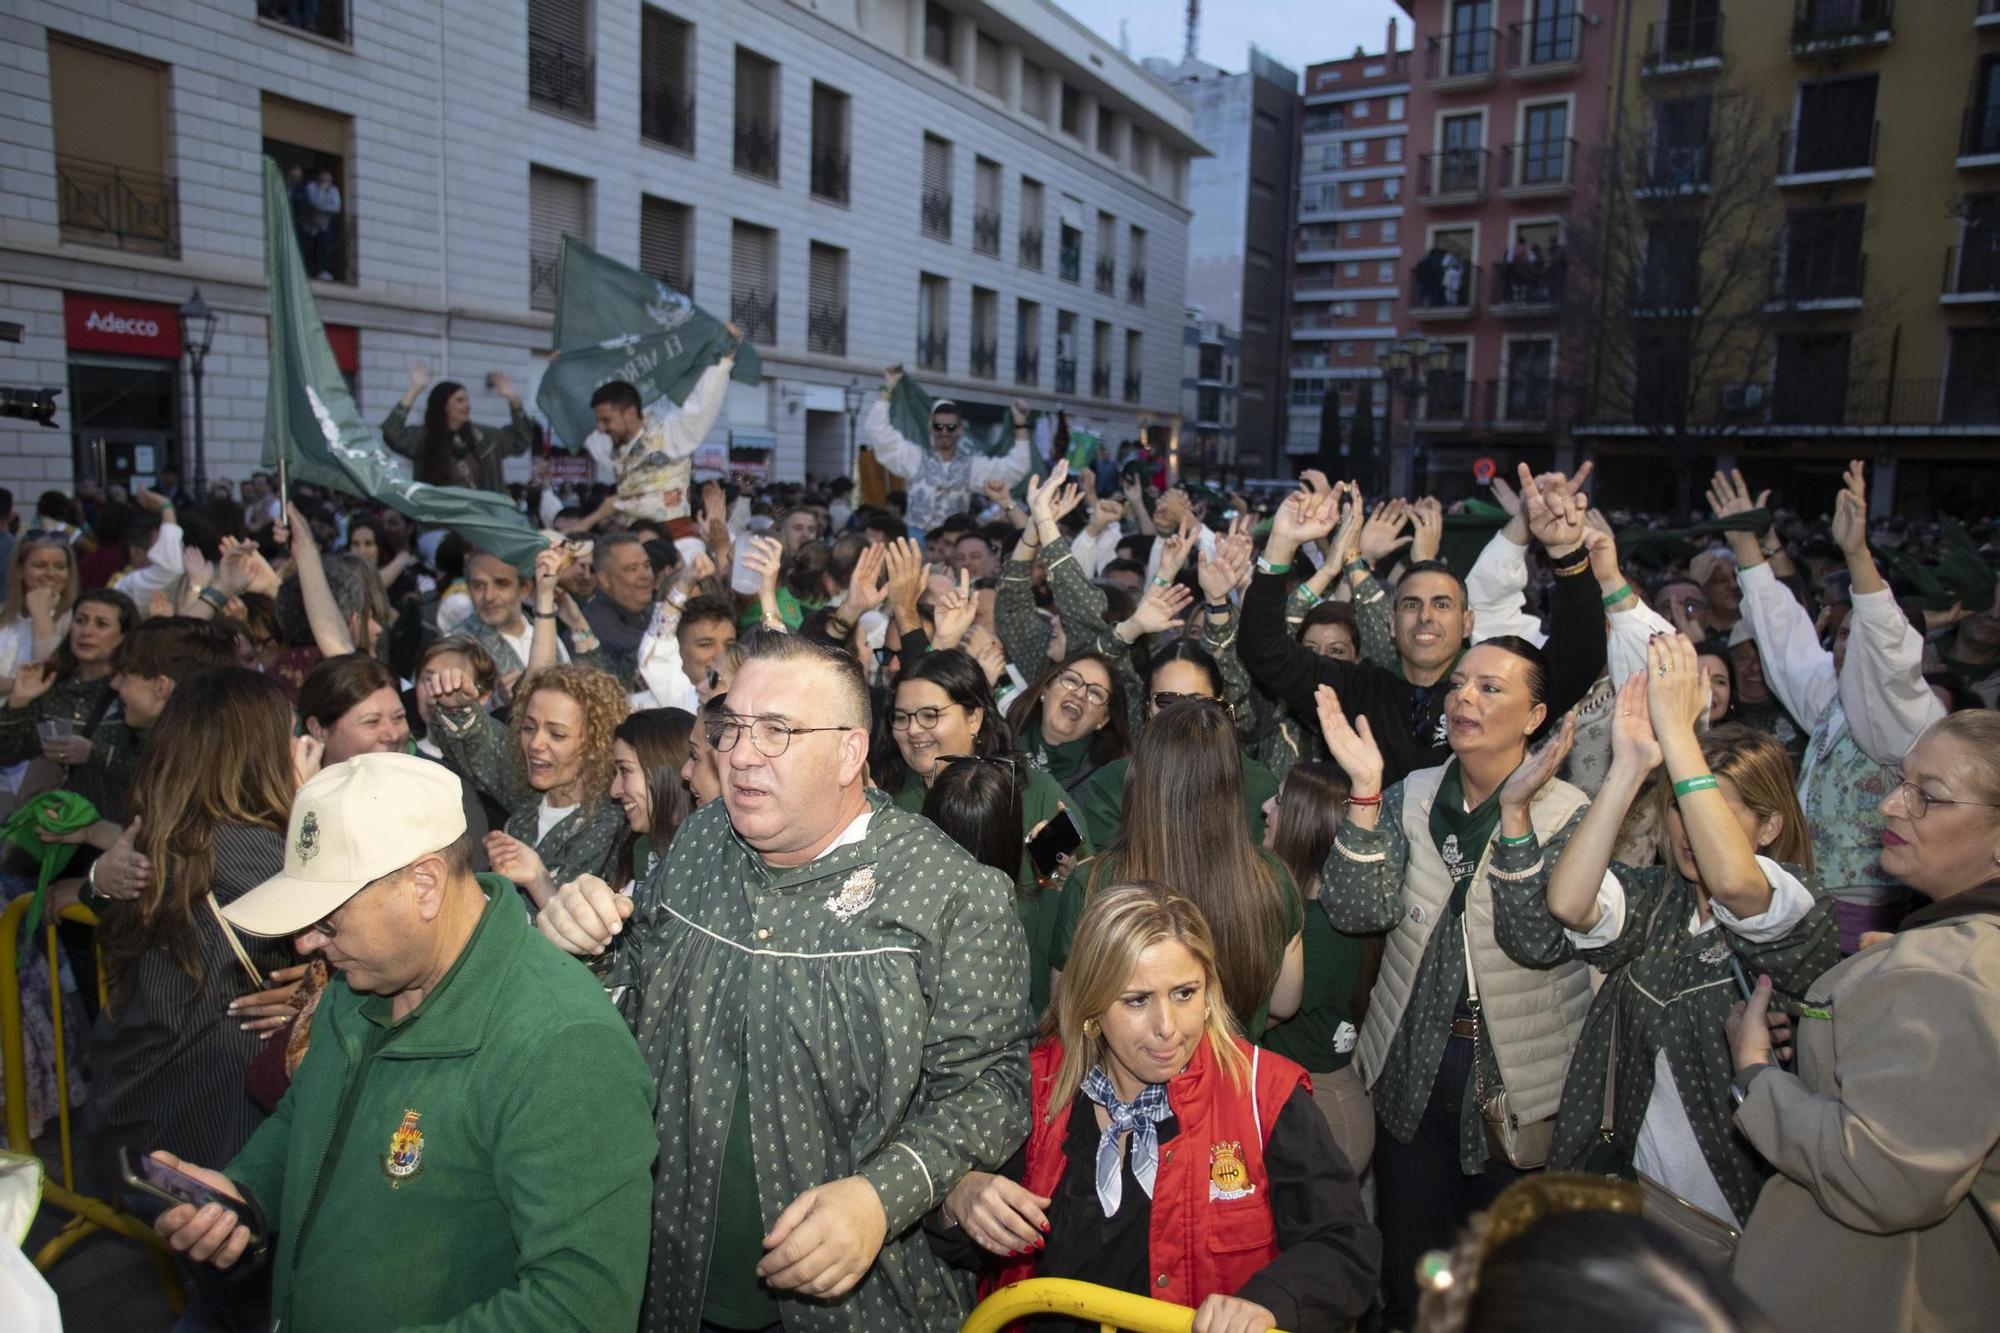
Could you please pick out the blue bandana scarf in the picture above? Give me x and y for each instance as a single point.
(1138, 1117)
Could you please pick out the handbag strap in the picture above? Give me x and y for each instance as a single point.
(235, 944)
(1605, 1125)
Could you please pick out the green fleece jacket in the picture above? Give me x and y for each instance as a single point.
(523, 1205)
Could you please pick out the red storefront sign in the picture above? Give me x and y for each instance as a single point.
(112, 324)
(345, 340)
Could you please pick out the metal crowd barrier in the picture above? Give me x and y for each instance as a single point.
(1112, 1309)
(86, 1214)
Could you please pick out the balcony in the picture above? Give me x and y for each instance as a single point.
(1979, 136)
(561, 78)
(1545, 48)
(1069, 263)
(1833, 404)
(1821, 26)
(826, 330)
(1666, 289)
(1315, 326)
(1460, 61)
(1135, 286)
(937, 214)
(1065, 375)
(1028, 366)
(1446, 404)
(757, 149)
(666, 117)
(1107, 275)
(120, 209)
(1445, 288)
(829, 172)
(985, 358)
(1031, 248)
(1817, 279)
(1682, 46)
(1521, 402)
(934, 351)
(1529, 288)
(1452, 177)
(1672, 170)
(1972, 273)
(986, 230)
(321, 20)
(1825, 154)
(756, 313)
(1133, 388)
(1538, 169)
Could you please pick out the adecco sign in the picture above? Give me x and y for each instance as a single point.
(108, 324)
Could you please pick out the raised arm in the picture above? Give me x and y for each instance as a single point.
(1361, 888)
(1012, 466)
(1882, 687)
(1281, 666)
(1575, 649)
(1799, 671)
(329, 626)
(685, 427)
(397, 433)
(473, 741)
(518, 436)
(1676, 695)
(897, 455)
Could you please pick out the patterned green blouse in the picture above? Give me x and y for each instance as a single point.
(585, 841)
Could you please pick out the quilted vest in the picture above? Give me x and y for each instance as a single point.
(650, 484)
(1200, 1242)
(1839, 788)
(1533, 1017)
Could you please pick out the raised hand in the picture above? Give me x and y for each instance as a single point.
(1603, 549)
(1220, 573)
(1382, 535)
(765, 559)
(31, 683)
(1850, 510)
(1105, 514)
(1729, 495)
(1068, 498)
(307, 752)
(447, 687)
(549, 562)
(986, 650)
(1677, 689)
(891, 377)
(1539, 766)
(865, 590)
(420, 379)
(904, 559)
(504, 386)
(1427, 519)
(1042, 494)
(954, 613)
(1555, 510)
(1161, 609)
(1303, 517)
(1632, 740)
(1174, 550)
(1352, 744)
(996, 490)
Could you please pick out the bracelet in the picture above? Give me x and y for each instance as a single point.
(542, 615)
(1219, 608)
(1307, 595)
(1582, 563)
(1357, 563)
(838, 628)
(1159, 582)
(1617, 595)
(775, 622)
(1699, 782)
(213, 596)
(1264, 566)
(1376, 799)
(1525, 840)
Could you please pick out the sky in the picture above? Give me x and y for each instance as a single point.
(1296, 32)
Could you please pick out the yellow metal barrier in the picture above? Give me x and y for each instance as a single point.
(1111, 1308)
(86, 1214)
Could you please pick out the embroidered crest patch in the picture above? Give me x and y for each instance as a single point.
(1716, 953)
(856, 892)
(309, 836)
(1228, 1177)
(406, 1151)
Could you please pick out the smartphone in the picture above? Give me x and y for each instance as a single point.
(1747, 988)
(153, 1177)
(1058, 838)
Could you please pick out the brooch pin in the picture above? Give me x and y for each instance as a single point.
(406, 1151)
(856, 892)
(1228, 1177)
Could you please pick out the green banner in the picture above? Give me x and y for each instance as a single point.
(910, 407)
(310, 419)
(615, 323)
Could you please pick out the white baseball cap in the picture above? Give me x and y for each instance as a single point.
(352, 824)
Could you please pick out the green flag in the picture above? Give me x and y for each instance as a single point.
(1083, 447)
(616, 323)
(910, 407)
(310, 419)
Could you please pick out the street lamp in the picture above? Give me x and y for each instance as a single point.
(197, 323)
(1409, 369)
(856, 395)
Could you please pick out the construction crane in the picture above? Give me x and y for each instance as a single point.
(1193, 28)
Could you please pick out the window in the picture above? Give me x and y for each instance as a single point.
(1810, 386)
(1395, 111)
(1972, 380)
(1388, 231)
(1100, 359)
(1359, 108)
(756, 115)
(1822, 254)
(1445, 396)
(753, 281)
(1107, 254)
(985, 333)
(1530, 379)
(933, 322)
(1392, 150)
(1027, 342)
(1357, 152)
(558, 206)
(1135, 266)
(1142, 155)
(1461, 161)
(561, 70)
(985, 206)
(310, 147)
(1545, 144)
(110, 113)
(666, 91)
(1065, 351)
(1034, 91)
(826, 300)
(1982, 123)
(1107, 132)
(666, 242)
(1135, 360)
(1385, 311)
(829, 143)
(937, 188)
(1836, 128)
(1670, 278)
(1977, 268)
(1357, 189)
(1069, 254)
(1031, 224)
(1346, 350)
(937, 34)
(1349, 271)
(1354, 231)
(1679, 157)
(1392, 189)
(986, 64)
(1072, 111)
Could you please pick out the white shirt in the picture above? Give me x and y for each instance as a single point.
(162, 567)
(524, 642)
(547, 817)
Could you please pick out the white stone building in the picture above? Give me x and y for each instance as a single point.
(985, 192)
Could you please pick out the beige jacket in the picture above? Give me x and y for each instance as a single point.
(1887, 1144)
(1533, 1018)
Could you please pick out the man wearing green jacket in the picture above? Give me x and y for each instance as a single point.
(467, 1144)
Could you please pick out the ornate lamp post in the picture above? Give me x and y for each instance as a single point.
(856, 395)
(197, 323)
(1410, 369)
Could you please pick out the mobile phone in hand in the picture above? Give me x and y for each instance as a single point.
(1058, 838)
(150, 1176)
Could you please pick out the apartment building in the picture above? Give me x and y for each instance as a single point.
(1347, 290)
(980, 189)
(1211, 402)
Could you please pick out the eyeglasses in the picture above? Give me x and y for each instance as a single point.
(927, 718)
(771, 737)
(1165, 699)
(1919, 802)
(939, 429)
(1075, 684)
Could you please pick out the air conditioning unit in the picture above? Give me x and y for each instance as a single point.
(1742, 397)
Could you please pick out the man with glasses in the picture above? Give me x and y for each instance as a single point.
(833, 999)
(467, 1140)
(942, 479)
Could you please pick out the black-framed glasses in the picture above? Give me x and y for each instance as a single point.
(1076, 684)
(927, 718)
(1919, 802)
(1165, 699)
(771, 737)
(939, 428)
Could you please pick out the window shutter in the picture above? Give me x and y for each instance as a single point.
(749, 261)
(664, 242)
(986, 186)
(823, 284)
(558, 205)
(560, 21)
(1031, 204)
(937, 165)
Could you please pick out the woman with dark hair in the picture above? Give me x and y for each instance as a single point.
(1072, 721)
(649, 752)
(1714, 658)
(977, 803)
(351, 705)
(448, 449)
(1463, 1049)
(69, 695)
(1184, 827)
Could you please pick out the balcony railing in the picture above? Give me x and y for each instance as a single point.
(937, 214)
(1065, 375)
(1520, 400)
(1028, 366)
(757, 149)
(1462, 58)
(1974, 270)
(1031, 248)
(1135, 286)
(1533, 285)
(1132, 388)
(561, 77)
(1979, 134)
(1447, 400)
(985, 358)
(1816, 276)
(1545, 46)
(1827, 403)
(542, 281)
(1819, 25)
(326, 19)
(934, 351)
(1069, 263)
(1443, 288)
(329, 253)
(1539, 166)
(1818, 149)
(986, 230)
(666, 116)
(826, 330)
(1107, 275)
(110, 206)
(1100, 381)
(756, 313)
(829, 172)
(1670, 286)
(1452, 176)
(1693, 42)
(1674, 169)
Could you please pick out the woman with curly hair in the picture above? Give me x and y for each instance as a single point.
(550, 768)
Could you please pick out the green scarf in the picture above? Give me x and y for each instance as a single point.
(54, 812)
(1659, 547)
(1461, 835)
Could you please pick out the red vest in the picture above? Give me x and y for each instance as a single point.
(1211, 1222)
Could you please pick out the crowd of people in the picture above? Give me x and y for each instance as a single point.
(775, 909)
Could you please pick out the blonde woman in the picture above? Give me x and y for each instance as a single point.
(1165, 1155)
(41, 589)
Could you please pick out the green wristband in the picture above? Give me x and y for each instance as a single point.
(1699, 782)
(1612, 599)
(1357, 563)
(1524, 840)
(1310, 597)
(1267, 567)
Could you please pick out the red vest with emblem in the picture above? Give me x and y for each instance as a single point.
(1199, 1243)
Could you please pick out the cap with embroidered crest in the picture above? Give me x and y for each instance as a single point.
(353, 823)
